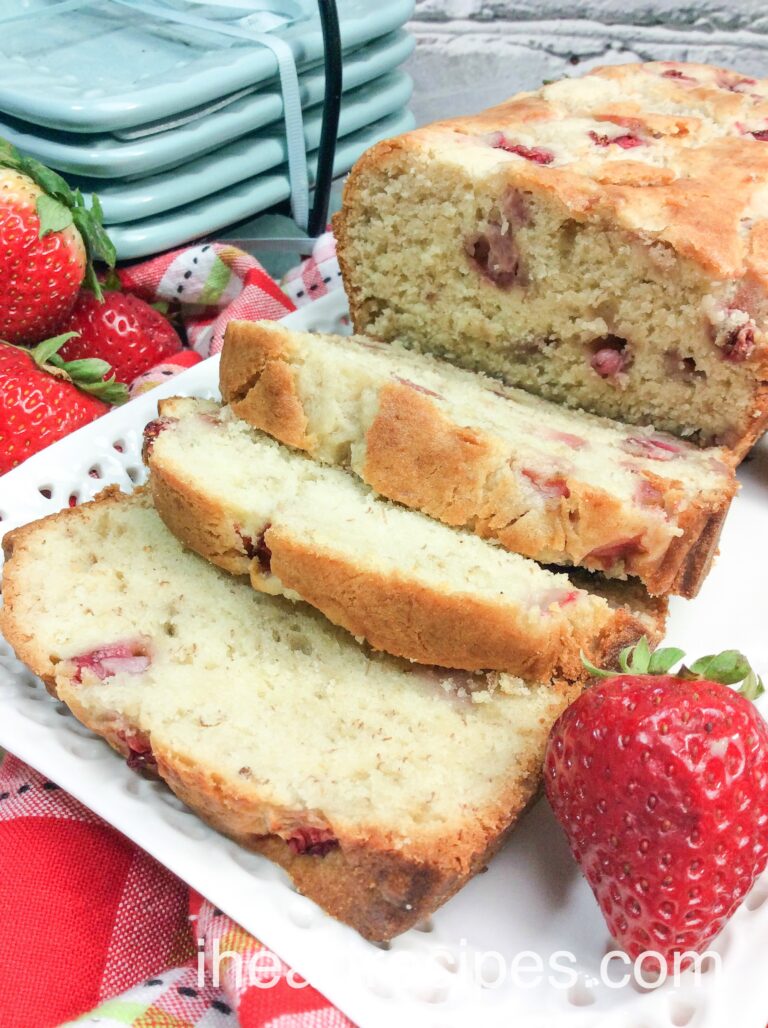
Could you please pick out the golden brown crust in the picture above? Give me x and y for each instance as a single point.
(411, 442)
(259, 386)
(378, 887)
(409, 446)
(677, 209)
(757, 422)
(402, 617)
(689, 558)
(625, 632)
(201, 525)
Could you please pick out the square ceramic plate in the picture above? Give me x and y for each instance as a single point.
(103, 66)
(243, 199)
(244, 158)
(202, 130)
(457, 970)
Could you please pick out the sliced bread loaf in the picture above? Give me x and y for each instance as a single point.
(558, 485)
(407, 584)
(380, 786)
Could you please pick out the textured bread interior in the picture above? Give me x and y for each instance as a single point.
(263, 484)
(276, 712)
(557, 485)
(587, 284)
(602, 241)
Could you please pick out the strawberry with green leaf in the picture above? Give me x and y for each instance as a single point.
(122, 329)
(43, 397)
(660, 782)
(48, 242)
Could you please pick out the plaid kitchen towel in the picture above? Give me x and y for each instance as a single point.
(212, 283)
(94, 931)
(91, 923)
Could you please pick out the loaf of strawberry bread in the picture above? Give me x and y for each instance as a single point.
(380, 786)
(558, 485)
(402, 581)
(602, 242)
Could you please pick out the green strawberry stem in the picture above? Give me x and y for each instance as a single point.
(112, 281)
(752, 687)
(59, 207)
(729, 667)
(87, 374)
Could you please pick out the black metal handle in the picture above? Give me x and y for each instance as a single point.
(326, 152)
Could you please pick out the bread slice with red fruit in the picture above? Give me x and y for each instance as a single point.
(381, 786)
(600, 242)
(560, 486)
(660, 782)
(404, 582)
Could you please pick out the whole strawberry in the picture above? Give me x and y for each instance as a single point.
(48, 238)
(661, 784)
(123, 330)
(43, 398)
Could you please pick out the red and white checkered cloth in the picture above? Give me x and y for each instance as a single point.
(92, 930)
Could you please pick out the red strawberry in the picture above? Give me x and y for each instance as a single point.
(115, 658)
(627, 141)
(123, 330)
(537, 154)
(43, 397)
(314, 842)
(140, 756)
(661, 784)
(47, 241)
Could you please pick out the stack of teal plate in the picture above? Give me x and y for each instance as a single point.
(175, 120)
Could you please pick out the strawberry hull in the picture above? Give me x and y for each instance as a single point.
(37, 408)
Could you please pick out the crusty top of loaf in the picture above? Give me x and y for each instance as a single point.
(673, 151)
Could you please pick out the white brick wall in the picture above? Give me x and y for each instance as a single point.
(472, 53)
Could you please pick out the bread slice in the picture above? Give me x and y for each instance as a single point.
(602, 242)
(558, 485)
(407, 584)
(380, 786)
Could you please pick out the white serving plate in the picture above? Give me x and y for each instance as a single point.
(533, 897)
